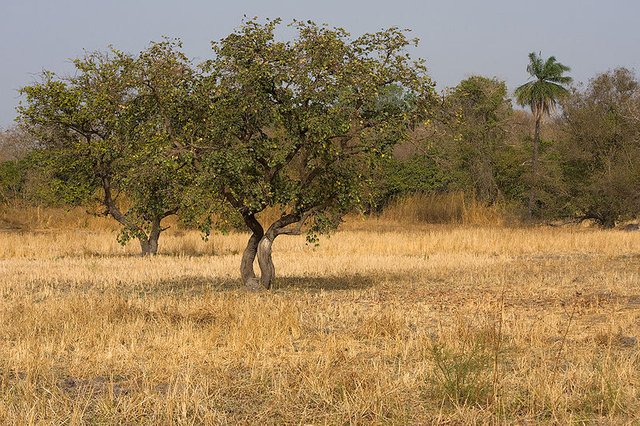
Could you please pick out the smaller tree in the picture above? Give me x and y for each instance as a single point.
(110, 128)
(541, 95)
(476, 130)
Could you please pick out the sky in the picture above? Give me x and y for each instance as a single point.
(459, 38)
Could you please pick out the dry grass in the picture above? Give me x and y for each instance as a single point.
(433, 324)
(448, 208)
(25, 217)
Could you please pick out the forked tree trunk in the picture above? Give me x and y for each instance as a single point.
(260, 248)
(534, 167)
(260, 244)
(148, 243)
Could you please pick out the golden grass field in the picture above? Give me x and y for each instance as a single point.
(380, 324)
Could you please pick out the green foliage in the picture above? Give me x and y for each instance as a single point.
(316, 126)
(12, 179)
(112, 128)
(478, 120)
(463, 146)
(463, 374)
(510, 171)
(300, 124)
(601, 154)
(546, 88)
(395, 177)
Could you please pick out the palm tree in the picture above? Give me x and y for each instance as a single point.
(541, 94)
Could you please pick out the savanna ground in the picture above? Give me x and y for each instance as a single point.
(382, 323)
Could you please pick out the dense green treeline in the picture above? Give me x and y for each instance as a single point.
(317, 126)
(476, 143)
(479, 144)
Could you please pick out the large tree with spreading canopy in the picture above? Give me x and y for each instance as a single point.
(296, 125)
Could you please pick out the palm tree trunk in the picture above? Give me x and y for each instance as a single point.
(534, 167)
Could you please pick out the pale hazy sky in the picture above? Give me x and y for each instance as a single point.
(458, 38)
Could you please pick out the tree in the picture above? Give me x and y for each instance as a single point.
(412, 166)
(541, 95)
(601, 151)
(476, 130)
(297, 125)
(111, 128)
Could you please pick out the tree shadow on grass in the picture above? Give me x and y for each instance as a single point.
(329, 283)
(198, 285)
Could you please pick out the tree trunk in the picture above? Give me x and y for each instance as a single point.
(149, 244)
(145, 247)
(248, 256)
(265, 261)
(260, 245)
(534, 167)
